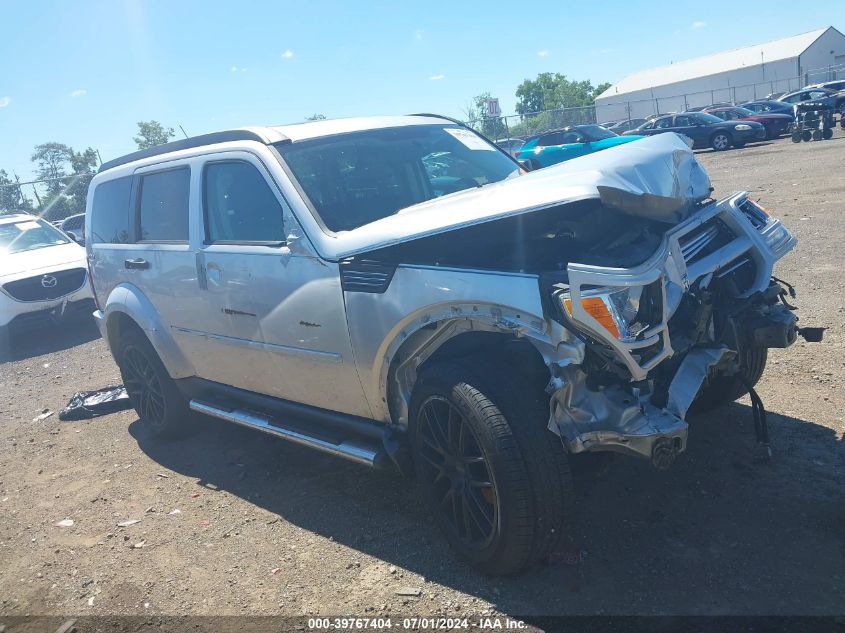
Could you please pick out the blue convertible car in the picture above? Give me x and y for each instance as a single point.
(557, 146)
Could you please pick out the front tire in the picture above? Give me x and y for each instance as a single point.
(154, 395)
(721, 390)
(496, 479)
(720, 141)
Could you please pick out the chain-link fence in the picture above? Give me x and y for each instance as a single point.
(610, 110)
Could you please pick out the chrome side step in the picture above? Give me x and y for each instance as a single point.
(361, 452)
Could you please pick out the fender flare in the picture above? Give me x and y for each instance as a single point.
(414, 339)
(128, 300)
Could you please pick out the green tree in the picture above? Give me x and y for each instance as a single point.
(552, 91)
(152, 133)
(52, 161)
(11, 196)
(551, 100)
(84, 165)
(478, 118)
(67, 175)
(316, 117)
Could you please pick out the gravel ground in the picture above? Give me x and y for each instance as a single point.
(233, 522)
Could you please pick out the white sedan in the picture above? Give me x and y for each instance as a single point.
(43, 275)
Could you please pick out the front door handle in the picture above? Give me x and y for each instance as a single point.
(138, 263)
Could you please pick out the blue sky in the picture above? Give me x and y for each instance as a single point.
(83, 72)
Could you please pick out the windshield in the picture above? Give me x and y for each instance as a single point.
(596, 132)
(357, 178)
(27, 235)
(703, 117)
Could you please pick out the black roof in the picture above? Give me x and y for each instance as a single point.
(186, 143)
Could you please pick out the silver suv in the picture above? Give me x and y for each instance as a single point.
(399, 291)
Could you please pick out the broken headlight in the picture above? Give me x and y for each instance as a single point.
(618, 310)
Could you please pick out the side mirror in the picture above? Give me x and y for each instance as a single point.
(525, 164)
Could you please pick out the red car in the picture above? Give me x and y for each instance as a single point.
(776, 124)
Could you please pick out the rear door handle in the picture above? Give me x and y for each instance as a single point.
(139, 263)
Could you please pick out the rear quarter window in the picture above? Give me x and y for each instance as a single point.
(163, 206)
(110, 212)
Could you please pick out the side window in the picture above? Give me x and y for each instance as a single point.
(554, 138)
(662, 124)
(163, 206)
(239, 204)
(817, 94)
(647, 126)
(682, 121)
(110, 212)
(792, 98)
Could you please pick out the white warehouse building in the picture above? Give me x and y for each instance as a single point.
(735, 76)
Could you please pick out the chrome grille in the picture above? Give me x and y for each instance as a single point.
(704, 240)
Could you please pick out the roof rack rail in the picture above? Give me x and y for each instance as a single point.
(189, 143)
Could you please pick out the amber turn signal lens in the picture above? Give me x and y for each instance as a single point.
(596, 308)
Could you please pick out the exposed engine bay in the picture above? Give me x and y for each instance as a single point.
(587, 232)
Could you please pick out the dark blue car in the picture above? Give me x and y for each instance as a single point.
(704, 129)
(764, 106)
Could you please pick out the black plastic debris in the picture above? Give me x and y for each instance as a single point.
(91, 404)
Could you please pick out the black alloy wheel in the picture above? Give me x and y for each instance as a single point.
(143, 386)
(458, 472)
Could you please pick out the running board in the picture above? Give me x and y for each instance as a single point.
(363, 452)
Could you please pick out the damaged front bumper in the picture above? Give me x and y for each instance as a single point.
(731, 244)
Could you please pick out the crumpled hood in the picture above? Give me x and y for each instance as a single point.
(656, 177)
(70, 255)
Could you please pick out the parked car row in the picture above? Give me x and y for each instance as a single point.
(828, 93)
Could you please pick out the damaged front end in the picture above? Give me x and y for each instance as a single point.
(656, 334)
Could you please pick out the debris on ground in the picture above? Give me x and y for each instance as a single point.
(45, 413)
(139, 544)
(175, 511)
(84, 405)
(275, 571)
(413, 592)
(64, 523)
(128, 523)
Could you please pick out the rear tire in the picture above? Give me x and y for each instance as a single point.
(721, 390)
(796, 137)
(153, 393)
(720, 141)
(460, 414)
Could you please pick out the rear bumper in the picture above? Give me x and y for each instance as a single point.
(749, 136)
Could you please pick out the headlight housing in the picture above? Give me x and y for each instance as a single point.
(742, 127)
(620, 311)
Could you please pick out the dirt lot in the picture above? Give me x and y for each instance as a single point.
(268, 528)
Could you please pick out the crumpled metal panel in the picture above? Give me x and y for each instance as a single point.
(656, 177)
(691, 374)
(609, 420)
